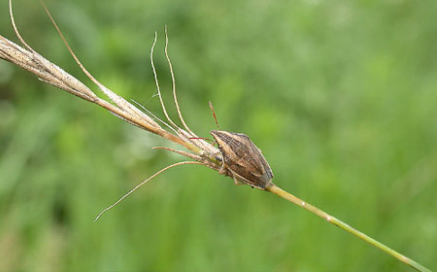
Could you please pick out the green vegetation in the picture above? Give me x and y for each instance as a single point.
(340, 96)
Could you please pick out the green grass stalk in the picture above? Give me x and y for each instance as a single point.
(331, 219)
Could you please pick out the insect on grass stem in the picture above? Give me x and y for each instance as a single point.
(236, 156)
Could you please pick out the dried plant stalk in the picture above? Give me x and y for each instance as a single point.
(237, 157)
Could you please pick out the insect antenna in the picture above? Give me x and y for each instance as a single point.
(213, 114)
(142, 183)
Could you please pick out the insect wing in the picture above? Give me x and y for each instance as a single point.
(262, 162)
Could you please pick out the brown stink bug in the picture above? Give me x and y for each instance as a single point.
(242, 159)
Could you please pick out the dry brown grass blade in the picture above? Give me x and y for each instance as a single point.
(28, 59)
(173, 81)
(142, 183)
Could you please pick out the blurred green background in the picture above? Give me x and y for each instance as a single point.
(341, 97)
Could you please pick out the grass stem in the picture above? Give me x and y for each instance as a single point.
(299, 202)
